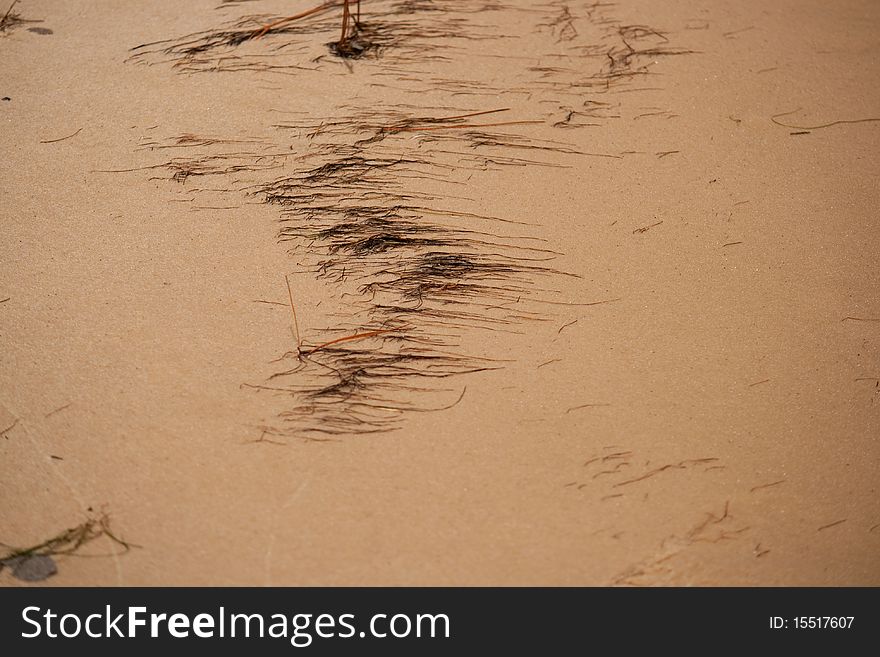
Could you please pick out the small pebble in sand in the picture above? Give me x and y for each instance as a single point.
(32, 568)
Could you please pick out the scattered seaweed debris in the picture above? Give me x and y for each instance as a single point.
(376, 202)
(413, 276)
(424, 46)
(656, 569)
(231, 3)
(283, 44)
(53, 141)
(238, 156)
(417, 277)
(12, 20)
(831, 524)
(805, 129)
(37, 562)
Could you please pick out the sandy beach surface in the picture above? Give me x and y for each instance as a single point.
(585, 293)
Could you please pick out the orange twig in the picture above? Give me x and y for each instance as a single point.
(293, 312)
(289, 19)
(441, 119)
(467, 116)
(345, 14)
(465, 125)
(356, 336)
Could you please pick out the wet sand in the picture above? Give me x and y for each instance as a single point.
(711, 420)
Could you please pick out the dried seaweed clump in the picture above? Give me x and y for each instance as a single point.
(261, 42)
(378, 205)
(414, 278)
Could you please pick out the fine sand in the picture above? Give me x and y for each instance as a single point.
(585, 293)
